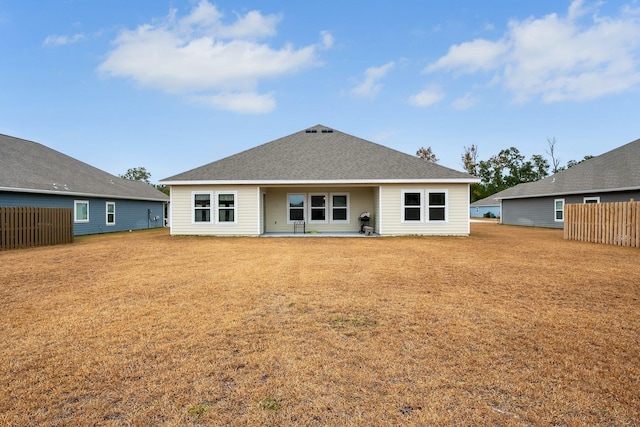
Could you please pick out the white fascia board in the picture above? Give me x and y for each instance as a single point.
(325, 182)
(78, 194)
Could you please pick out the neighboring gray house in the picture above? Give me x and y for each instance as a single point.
(34, 175)
(325, 179)
(611, 177)
(487, 206)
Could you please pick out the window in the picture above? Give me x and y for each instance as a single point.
(437, 205)
(559, 210)
(226, 207)
(411, 206)
(318, 208)
(340, 208)
(111, 213)
(295, 208)
(81, 211)
(201, 207)
(591, 200)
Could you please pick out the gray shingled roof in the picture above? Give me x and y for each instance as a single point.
(487, 201)
(32, 167)
(616, 170)
(320, 154)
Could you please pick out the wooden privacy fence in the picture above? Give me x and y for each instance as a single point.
(22, 227)
(611, 223)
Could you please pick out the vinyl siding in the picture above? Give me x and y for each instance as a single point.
(130, 214)
(480, 211)
(361, 199)
(384, 204)
(377, 215)
(247, 211)
(539, 211)
(620, 196)
(457, 223)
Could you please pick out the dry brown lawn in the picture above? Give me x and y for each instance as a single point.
(510, 326)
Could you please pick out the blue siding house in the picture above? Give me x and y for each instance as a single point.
(487, 206)
(34, 175)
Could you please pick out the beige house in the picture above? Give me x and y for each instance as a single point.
(320, 180)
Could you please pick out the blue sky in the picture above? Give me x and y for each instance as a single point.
(172, 85)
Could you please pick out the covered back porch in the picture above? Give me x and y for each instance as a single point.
(319, 234)
(319, 211)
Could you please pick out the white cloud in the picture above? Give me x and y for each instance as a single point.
(467, 101)
(427, 97)
(470, 57)
(382, 135)
(200, 56)
(327, 39)
(62, 40)
(252, 25)
(577, 9)
(370, 86)
(242, 102)
(580, 56)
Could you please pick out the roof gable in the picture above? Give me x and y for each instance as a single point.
(615, 170)
(320, 154)
(32, 167)
(487, 201)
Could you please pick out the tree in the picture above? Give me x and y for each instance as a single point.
(141, 174)
(470, 165)
(163, 189)
(572, 163)
(540, 168)
(137, 174)
(470, 159)
(555, 163)
(427, 154)
(506, 169)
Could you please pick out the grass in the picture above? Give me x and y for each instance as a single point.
(199, 410)
(510, 326)
(269, 403)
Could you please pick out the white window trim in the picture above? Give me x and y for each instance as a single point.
(311, 208)
(235, 209)
(348, 208)
(304, 207)
(75, 211)
(555, 211)
(446, 206)
(193, 208)
(591, 199)
(402, 207)
(107, 213)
